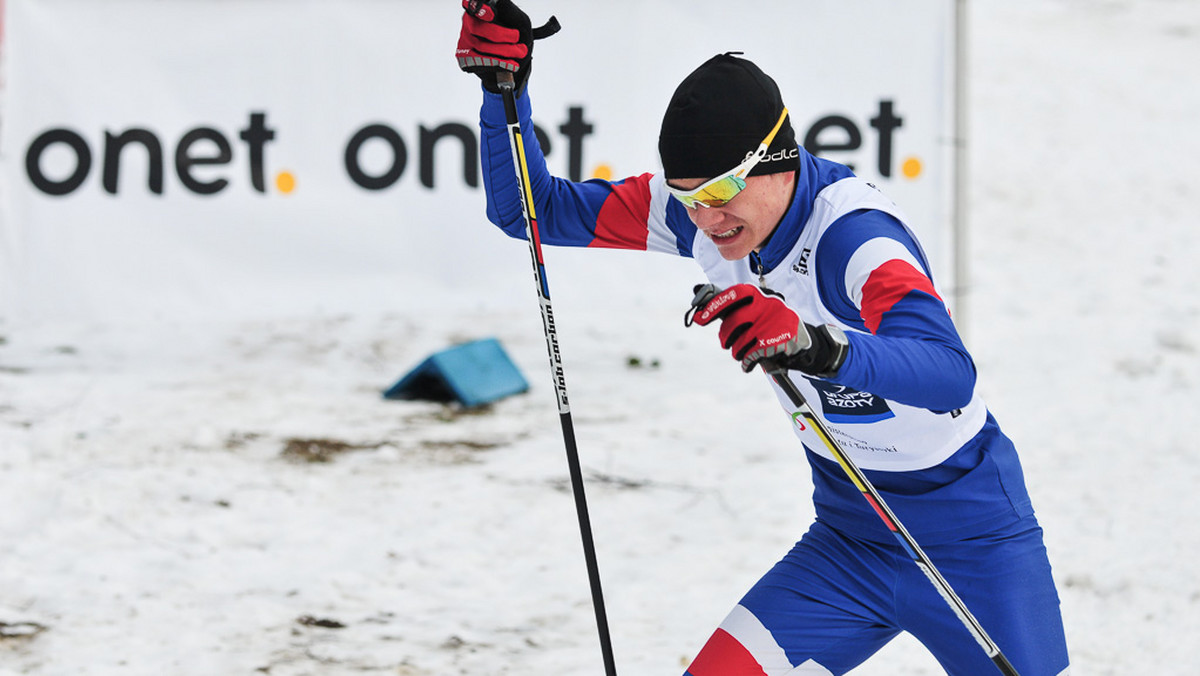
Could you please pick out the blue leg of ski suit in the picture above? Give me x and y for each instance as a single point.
(833, 601)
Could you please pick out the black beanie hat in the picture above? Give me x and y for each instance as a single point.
(718, 115)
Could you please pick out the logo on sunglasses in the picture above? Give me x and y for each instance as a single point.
(784, 154)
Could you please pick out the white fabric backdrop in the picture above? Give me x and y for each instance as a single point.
(318, 72)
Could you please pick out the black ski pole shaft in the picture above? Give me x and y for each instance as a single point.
(860, 481)
(505, 82)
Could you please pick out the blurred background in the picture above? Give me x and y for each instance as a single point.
(228, 226)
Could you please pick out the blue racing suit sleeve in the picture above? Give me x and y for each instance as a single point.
(594, 213)
(910, 351)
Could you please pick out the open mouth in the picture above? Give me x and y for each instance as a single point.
(728, 234)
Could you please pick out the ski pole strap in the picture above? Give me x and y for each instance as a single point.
(547, 29)
(542, 32)
(704, 293)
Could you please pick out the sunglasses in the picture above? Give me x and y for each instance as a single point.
(718, 191)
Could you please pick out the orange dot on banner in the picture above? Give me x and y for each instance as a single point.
(911, 167)
(285, 181)
(603, 172)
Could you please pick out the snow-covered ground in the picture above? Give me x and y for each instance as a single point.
(237, 499)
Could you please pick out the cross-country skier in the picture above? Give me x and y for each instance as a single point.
(820, 269)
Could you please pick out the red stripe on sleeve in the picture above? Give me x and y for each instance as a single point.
(621, 223)
(724, 656)
(887, 285)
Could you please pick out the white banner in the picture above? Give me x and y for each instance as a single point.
(256, 157)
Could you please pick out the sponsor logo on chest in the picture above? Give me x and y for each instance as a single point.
(841, 404)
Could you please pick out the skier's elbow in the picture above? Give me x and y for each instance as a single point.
(959, 388)
(511, 225)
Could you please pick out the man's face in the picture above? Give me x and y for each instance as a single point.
(743, 224)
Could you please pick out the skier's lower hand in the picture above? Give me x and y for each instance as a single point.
(757, 326)
(496, 36)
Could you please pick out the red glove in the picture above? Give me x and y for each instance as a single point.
(754, 326)
(496, 35)
(757, 326)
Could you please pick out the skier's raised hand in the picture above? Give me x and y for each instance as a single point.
(497, 36)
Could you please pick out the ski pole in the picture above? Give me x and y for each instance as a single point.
(780, 375)
(860, 481)
(504, 80)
